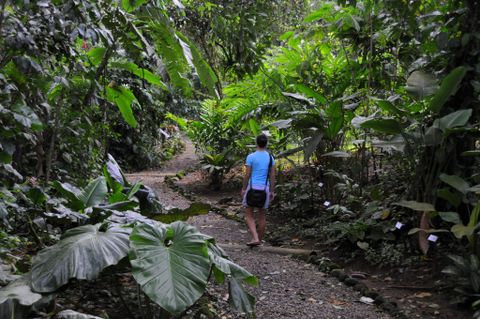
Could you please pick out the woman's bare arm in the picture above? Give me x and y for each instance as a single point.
(272, 182)
(246, 178)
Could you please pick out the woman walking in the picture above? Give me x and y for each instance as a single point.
(258, 188)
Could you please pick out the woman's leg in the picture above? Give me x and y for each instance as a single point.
(251, 224)
(262, 222)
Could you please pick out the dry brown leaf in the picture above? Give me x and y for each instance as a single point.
(422, 294)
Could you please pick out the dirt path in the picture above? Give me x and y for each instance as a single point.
(288, 288)
(156, 178)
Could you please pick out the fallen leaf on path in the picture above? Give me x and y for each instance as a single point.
(312, 300)
(336, 302)
(262, 298)
(422, 294)
(366, 300)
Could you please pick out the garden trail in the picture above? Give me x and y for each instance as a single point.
(288, 288)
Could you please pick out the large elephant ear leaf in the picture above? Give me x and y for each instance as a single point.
(19, 291)
(171, 264)
(239, 298)
(17, 298)
(82, 253)
(221, 261)
(94, 193)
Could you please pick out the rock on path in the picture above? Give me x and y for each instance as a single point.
(288, 288)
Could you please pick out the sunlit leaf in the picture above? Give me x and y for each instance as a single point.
(123, 98)
(461, 230)
(140, 72)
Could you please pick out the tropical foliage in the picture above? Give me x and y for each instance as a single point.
(371, 108)
(382, 99)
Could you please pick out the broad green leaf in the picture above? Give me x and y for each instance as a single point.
(170, 263)
(286, 35)
(282, 124)
(451, 217)
(82, 253)
(168, 46)
(71, 193)
(37, 195)
(94, 193)
(453, 120)
(324, 12)
(473, 221)
(387, 126)
(182, 123)
(7, 148)
(17, 298)
(388, 106)
(123, 99)
(220, 259)
(95, 55)
(334, 113)
(421, 84)
(311, 145)
(309, 92)
(417, 206)
(115, 172)
(353, 21)
(130, 5)
(140, 72)
(240, 299)
(433, 135)
(298, 97)
(26, 117)
(205, 72)
(456, 182)
(461, 230)
(448, 88)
